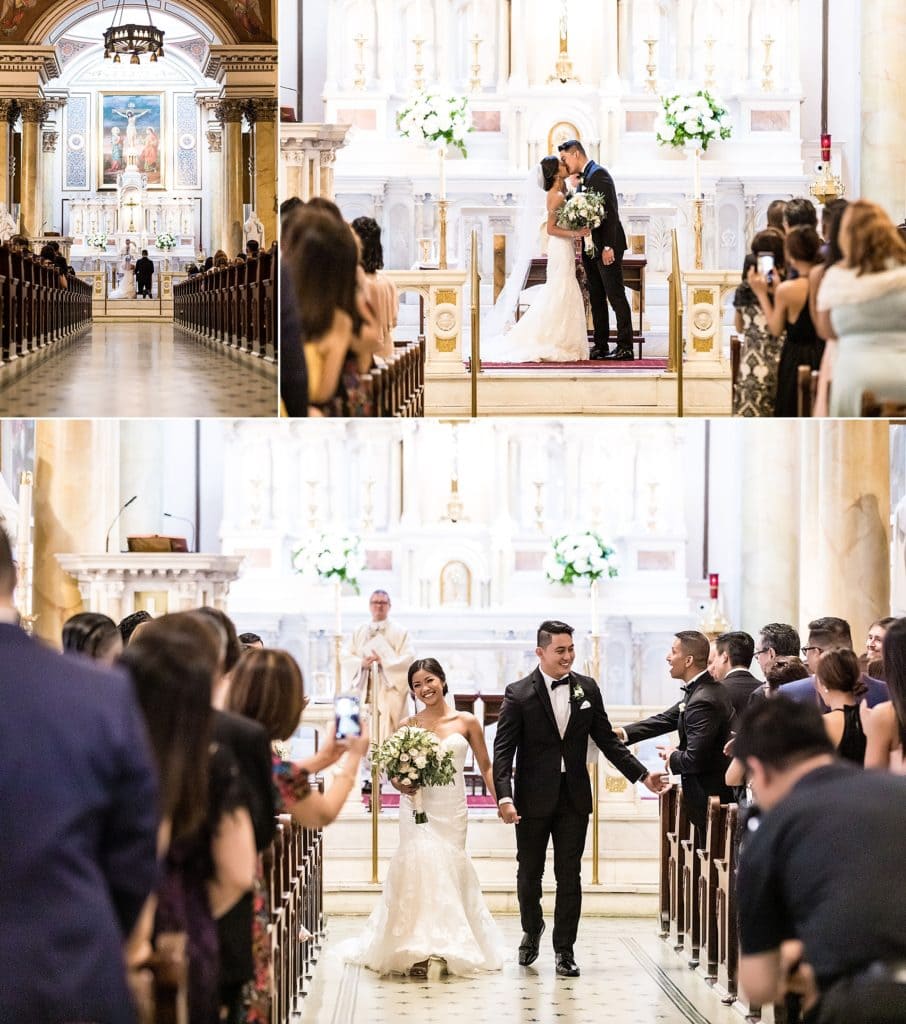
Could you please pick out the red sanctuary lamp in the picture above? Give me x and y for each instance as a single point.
(714, 622)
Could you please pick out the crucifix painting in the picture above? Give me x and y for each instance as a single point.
(131, 135)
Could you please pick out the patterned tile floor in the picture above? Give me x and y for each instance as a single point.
(137, 369)
(628, 975)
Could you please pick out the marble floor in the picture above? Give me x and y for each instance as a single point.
(628, 975)
(137, 369)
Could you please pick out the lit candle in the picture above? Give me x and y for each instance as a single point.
(419, 19)
(594, 609)
(443, 170)
(698, 173)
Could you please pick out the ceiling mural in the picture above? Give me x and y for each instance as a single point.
(251, 20)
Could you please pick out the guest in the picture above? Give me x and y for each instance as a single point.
(77, 843)
(788, 310)
(294, 396)
(251, 640)
(776, 640)
(833, 255)
(731, 658)
(886, 727)
(755, 391)
(252, 249)
(783, 670)
(862, 304)
(874, 643)
(776, 211)
(62, 268)
(94, 635)
(192, 270)
(839, 681)
(383, 294)
(130, 624)
(800, 212)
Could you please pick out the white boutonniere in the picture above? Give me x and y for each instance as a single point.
(682, 707)
(578, 692)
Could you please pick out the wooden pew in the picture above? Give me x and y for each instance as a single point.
(708, 884)
(691, 936)
(874, 406)
(676, 874)
(725, 919)
(668, 817)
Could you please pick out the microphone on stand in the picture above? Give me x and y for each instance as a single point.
(115, 518)
(184, 519)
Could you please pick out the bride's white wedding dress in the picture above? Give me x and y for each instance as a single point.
(125, 288)
(431, 903)
(553, 329)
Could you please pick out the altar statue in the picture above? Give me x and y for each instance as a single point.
(254, 229)
(8, 225)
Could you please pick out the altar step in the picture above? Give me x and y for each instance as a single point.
(132, 310)
(627, 862)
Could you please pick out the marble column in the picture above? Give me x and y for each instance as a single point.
(6, 109)
(34, 111)
(215, 173)
(884, 105)
(518, 45)
(769, 529)
(263, 112)
(845, 546)
(50, 197)
(230, 113)
(76, 496)
(327, 159)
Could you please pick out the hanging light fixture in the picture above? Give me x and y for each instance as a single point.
(132, 39)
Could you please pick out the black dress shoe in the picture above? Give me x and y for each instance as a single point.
(528, 948)
(596, 353)
(621, 354)
(567, 966)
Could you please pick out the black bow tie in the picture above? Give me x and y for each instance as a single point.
(559, 682)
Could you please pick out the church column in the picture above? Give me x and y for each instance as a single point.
(262, 114)
(845, 554)
(770, 538)
(7, 110)
(230, 113)
(70, 517)
(49, 192)
(884, 105)
(33, 113)
(518, 48)
(215, 172)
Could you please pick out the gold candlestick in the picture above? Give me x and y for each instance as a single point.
(698, 228)
(475, 80)
(337, 669)
(418, 42)
(709, 65)
(651, 66)
(539, 505)
(442, 229)
(564, 67)
(767, 83)
(359, 82)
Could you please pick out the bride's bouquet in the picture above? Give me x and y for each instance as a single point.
(583, 210)
(414, 755)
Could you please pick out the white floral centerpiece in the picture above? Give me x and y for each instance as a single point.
(165, 241)
(579, 556)
(583, 210)
(414, 755)
(98, 241)
(331, 556)
(430, 117)
(697, 119)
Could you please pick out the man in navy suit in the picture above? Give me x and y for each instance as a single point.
(77, 845)
(829, 634)
(603, 268)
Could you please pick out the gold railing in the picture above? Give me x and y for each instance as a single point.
(675, 353)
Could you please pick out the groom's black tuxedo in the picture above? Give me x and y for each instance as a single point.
(551, 803)
(605, 283)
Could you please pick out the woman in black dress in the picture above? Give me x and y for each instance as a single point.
(840, 684)
(788, 310)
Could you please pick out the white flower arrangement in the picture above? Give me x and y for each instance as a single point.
(413, 754)
(431, 117)
(98, 241)
(579, 556)
(165, 241)
(331, 556)
(583, 210)
(697, 119)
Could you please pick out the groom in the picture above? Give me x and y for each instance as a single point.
(604, 267)
(545, 722)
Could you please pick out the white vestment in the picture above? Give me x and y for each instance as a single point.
(394, 646)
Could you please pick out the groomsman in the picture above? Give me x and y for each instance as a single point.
(603, 268)
(731, 658)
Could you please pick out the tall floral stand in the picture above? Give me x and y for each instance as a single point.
(442, 210)
(698, 205)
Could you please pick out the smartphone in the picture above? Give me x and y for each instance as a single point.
(766, 265)
(349, 719)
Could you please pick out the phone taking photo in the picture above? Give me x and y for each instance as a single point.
(349, 719)
(766, 265)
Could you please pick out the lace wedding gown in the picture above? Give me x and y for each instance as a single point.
(431, 903)
(125, 288)
(553, 329)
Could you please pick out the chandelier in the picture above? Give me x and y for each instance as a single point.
(134, 39)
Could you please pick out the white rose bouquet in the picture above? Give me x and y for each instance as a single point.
(431, 117)
(98, 241)
(576, 556)
(414, 755)
(697, 119)
(166, 241)
(583, 210)
(331, 556)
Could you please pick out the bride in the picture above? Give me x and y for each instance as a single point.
(431, 906)
(125, 288)
(554, 328)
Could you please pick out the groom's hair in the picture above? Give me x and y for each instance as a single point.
(572, 144)
(551, 628)
(695, 645)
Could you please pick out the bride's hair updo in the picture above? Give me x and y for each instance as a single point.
(550, 165)
(432, 667)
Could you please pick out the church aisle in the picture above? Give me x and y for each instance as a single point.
(628, 975)
(139, 369)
